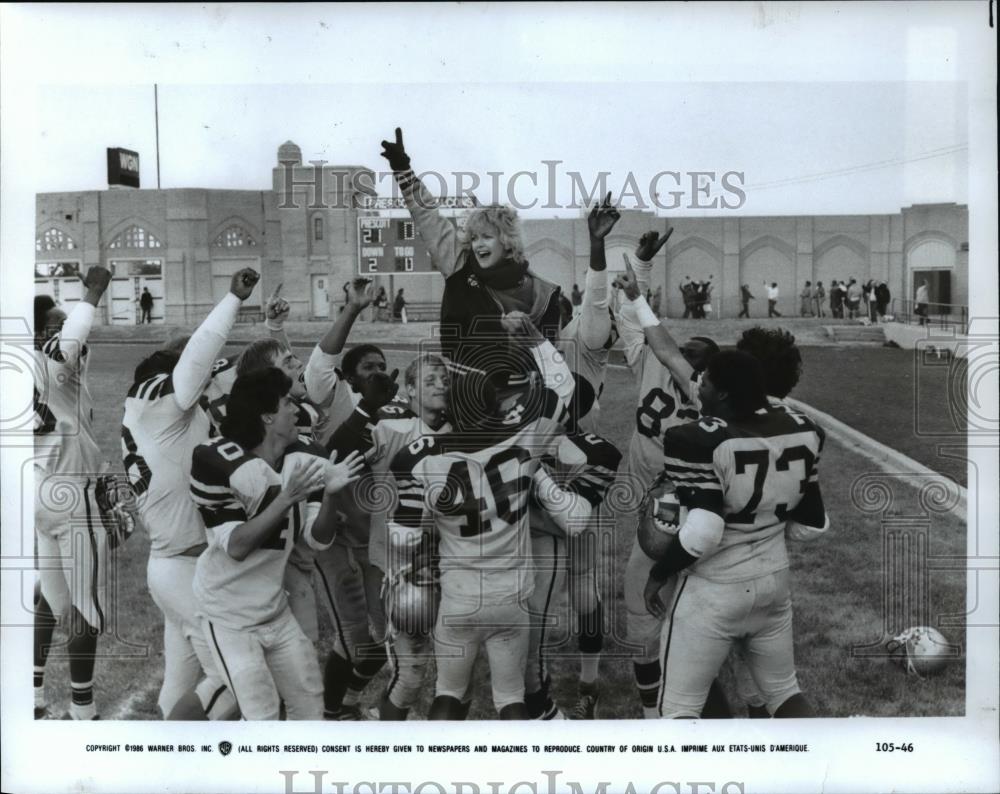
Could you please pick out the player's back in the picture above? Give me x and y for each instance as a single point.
(158, 439)
(64, 437)
(476, 488)
(753, 472)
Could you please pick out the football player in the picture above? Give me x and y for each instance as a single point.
(665, 400)
(585, 341)
(72, 542)
(742, 472)
(259, 489)
(350, 585)
(162, 424)
(381, 429)
(471, 486)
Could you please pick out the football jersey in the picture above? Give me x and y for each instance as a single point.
(231, 486)
(753, 473)
(397, 427)
(158, 437)
(583, 463)
(217, 391)
(474, 488)
(63, 432)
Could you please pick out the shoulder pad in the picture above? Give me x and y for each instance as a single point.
(696, 441)
(214, 461)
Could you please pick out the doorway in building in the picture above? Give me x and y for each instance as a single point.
(128, 279)
(320, 296)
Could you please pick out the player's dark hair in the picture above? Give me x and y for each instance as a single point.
(349, 363)
(472, 401)
(259, 354)
(781, 360)
(43, 305)
(158, 363)
(710, 343)
(741, 376)
(253, 395)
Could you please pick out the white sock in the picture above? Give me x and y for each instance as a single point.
(650, 713)
(40, 697)
(589, 663)
(87, 712)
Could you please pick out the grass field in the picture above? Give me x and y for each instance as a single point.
(838, 581)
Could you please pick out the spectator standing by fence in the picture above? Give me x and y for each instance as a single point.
(772, 299)
(745, 297)
(399, 307)
(806, 296)
(853, 299)
(146, 304)
(577, 299)
(882, 298)
(687, 293)
(818, 299)
(923, 298)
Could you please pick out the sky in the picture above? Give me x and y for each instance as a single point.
(820, 107)
(799, 147)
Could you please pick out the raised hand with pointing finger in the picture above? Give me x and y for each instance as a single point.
(650, 244)
(602, 219)
(627, 281)
(276, 310)
(395, 153)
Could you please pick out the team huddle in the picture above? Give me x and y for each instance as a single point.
(437, 517)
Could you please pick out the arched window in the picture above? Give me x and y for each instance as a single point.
(317, 228)
(234, 236)
(54, 240)
(135, 237)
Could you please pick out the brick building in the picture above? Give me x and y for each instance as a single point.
(183, 244)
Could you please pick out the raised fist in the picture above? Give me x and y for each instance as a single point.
(651, 243)
(97, 279)
(359, 293)
(378, 389)
(398, 159)
(602, 219)
(243, 282)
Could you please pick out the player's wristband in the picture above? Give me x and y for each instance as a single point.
(644, 314)
(272, 325)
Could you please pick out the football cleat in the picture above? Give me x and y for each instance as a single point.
(585, 707)
(660, 518)
(922, 650)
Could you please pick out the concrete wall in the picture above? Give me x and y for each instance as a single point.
(733, 250)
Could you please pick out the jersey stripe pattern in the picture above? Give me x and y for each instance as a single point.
(473, 489)
(756, 474)
(64, 438)
(157, 439)
(231, 486)
(584, 463)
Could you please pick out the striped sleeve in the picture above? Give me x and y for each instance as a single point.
(689, 462)
(599, 470)
(219, 504)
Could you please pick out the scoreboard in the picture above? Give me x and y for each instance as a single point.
(391, 246)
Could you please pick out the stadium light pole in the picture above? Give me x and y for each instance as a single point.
(156, 117)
